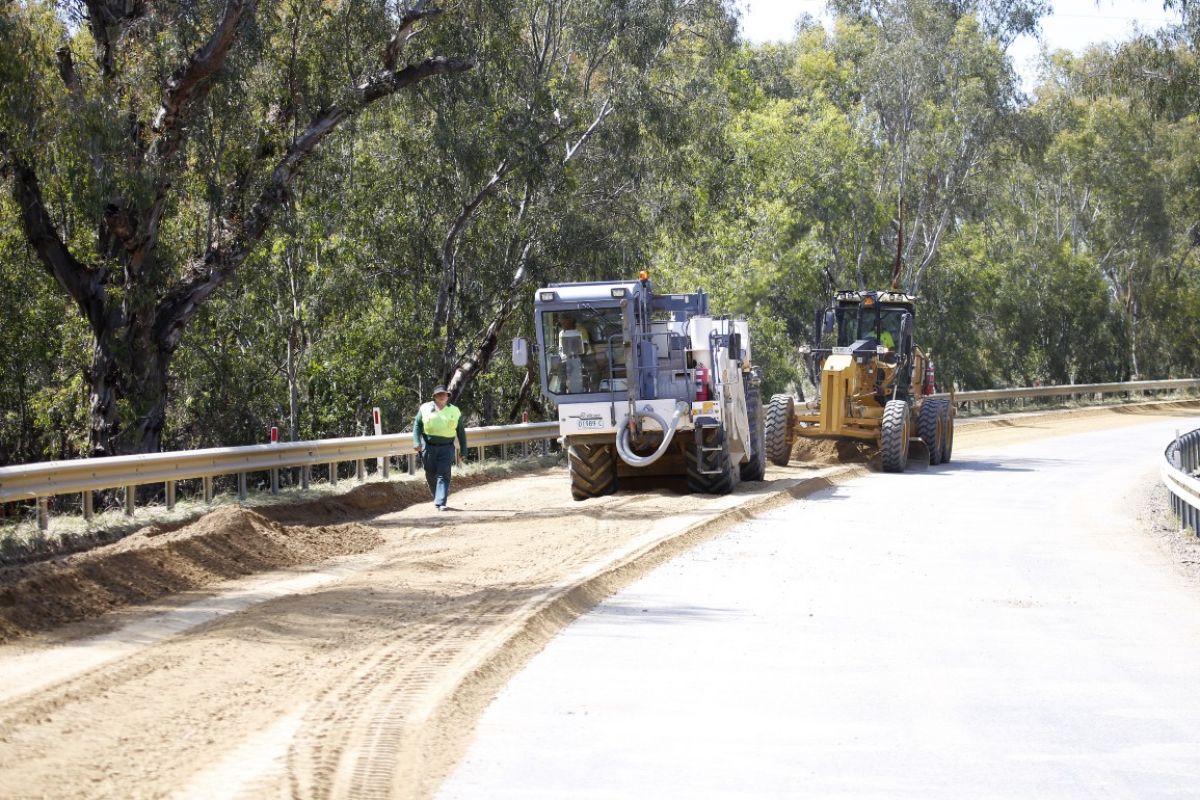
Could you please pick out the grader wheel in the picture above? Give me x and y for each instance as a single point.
(931, 428)
(894, 436)
(778, 430)
(948, 435)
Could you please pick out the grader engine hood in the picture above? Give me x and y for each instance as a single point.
(839, 382)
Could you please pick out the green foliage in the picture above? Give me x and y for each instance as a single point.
(1054, 238)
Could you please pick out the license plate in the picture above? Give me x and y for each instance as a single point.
(591, 423)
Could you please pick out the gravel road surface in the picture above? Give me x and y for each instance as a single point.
(364, 675)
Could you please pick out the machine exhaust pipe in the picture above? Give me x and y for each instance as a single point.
(626, 452)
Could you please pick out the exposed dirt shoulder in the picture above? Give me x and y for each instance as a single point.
(229, 542)
(370, 685)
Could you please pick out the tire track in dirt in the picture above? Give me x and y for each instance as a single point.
(393, 664)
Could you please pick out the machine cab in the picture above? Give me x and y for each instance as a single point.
(581, 340)
(882, 318)
(605, 342)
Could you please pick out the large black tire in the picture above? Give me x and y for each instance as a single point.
(701, 462)
(756, 468)
(931, 429)
(894, 436)
(593, 470)
(948, 436)
(777, 437)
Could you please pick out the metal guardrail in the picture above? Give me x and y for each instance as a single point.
(1072, 390)
(44, 480)
(41, 481)
(1182, 462)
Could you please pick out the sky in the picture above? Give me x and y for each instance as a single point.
(1072, 25)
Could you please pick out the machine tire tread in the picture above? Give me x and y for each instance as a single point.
(929, 428)
(593, 470)
(698, 461)
(756, 468)
(893, 436)
(948, 436)
(777, 436)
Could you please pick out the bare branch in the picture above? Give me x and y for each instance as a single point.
(81, 283)
(405, 32)
(605, 109)
(107, 20)
(184, 84)
(444, 307)
(235, 241)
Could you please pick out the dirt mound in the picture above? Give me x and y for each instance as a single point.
(369, 500)
(362, 502)
(157, 561)
(832, 451)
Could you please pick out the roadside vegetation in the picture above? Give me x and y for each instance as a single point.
(220, 216)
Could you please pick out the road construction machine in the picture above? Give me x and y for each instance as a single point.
(647, 384)
(873, 385)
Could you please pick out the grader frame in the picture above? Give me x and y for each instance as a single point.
(873, 385)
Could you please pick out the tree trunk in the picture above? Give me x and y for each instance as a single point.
(525, 396)
(293, 384)
(131, 377)
(138, 315)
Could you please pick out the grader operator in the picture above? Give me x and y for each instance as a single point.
(873, 384)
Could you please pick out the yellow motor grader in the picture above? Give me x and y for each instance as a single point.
(873, 385)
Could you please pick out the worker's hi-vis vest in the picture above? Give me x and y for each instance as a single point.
(442, 423)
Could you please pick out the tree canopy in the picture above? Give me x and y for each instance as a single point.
(229, 214)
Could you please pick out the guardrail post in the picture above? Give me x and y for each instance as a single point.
(130, 499)
(242, 487)
(504, 452)
(333, 473)
(385, 466)
(479, 453)
(275, 481)
(360, 470)
(208, 493)
(412, 464)
(43, 514)
(304, 470)
(170, 495)
(87, 506)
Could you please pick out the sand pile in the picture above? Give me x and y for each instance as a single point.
(365, 501)
(156, 561)
(826, 452)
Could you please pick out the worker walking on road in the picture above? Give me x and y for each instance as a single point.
(437, 424)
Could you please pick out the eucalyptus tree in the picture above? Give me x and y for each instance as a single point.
(150, 147)
(939, 92)
(573, 91)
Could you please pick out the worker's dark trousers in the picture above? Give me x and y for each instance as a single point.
(438, 459)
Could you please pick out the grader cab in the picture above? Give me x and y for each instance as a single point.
(873, 385)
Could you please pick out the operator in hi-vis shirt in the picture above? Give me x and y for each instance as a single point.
(437, 424)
